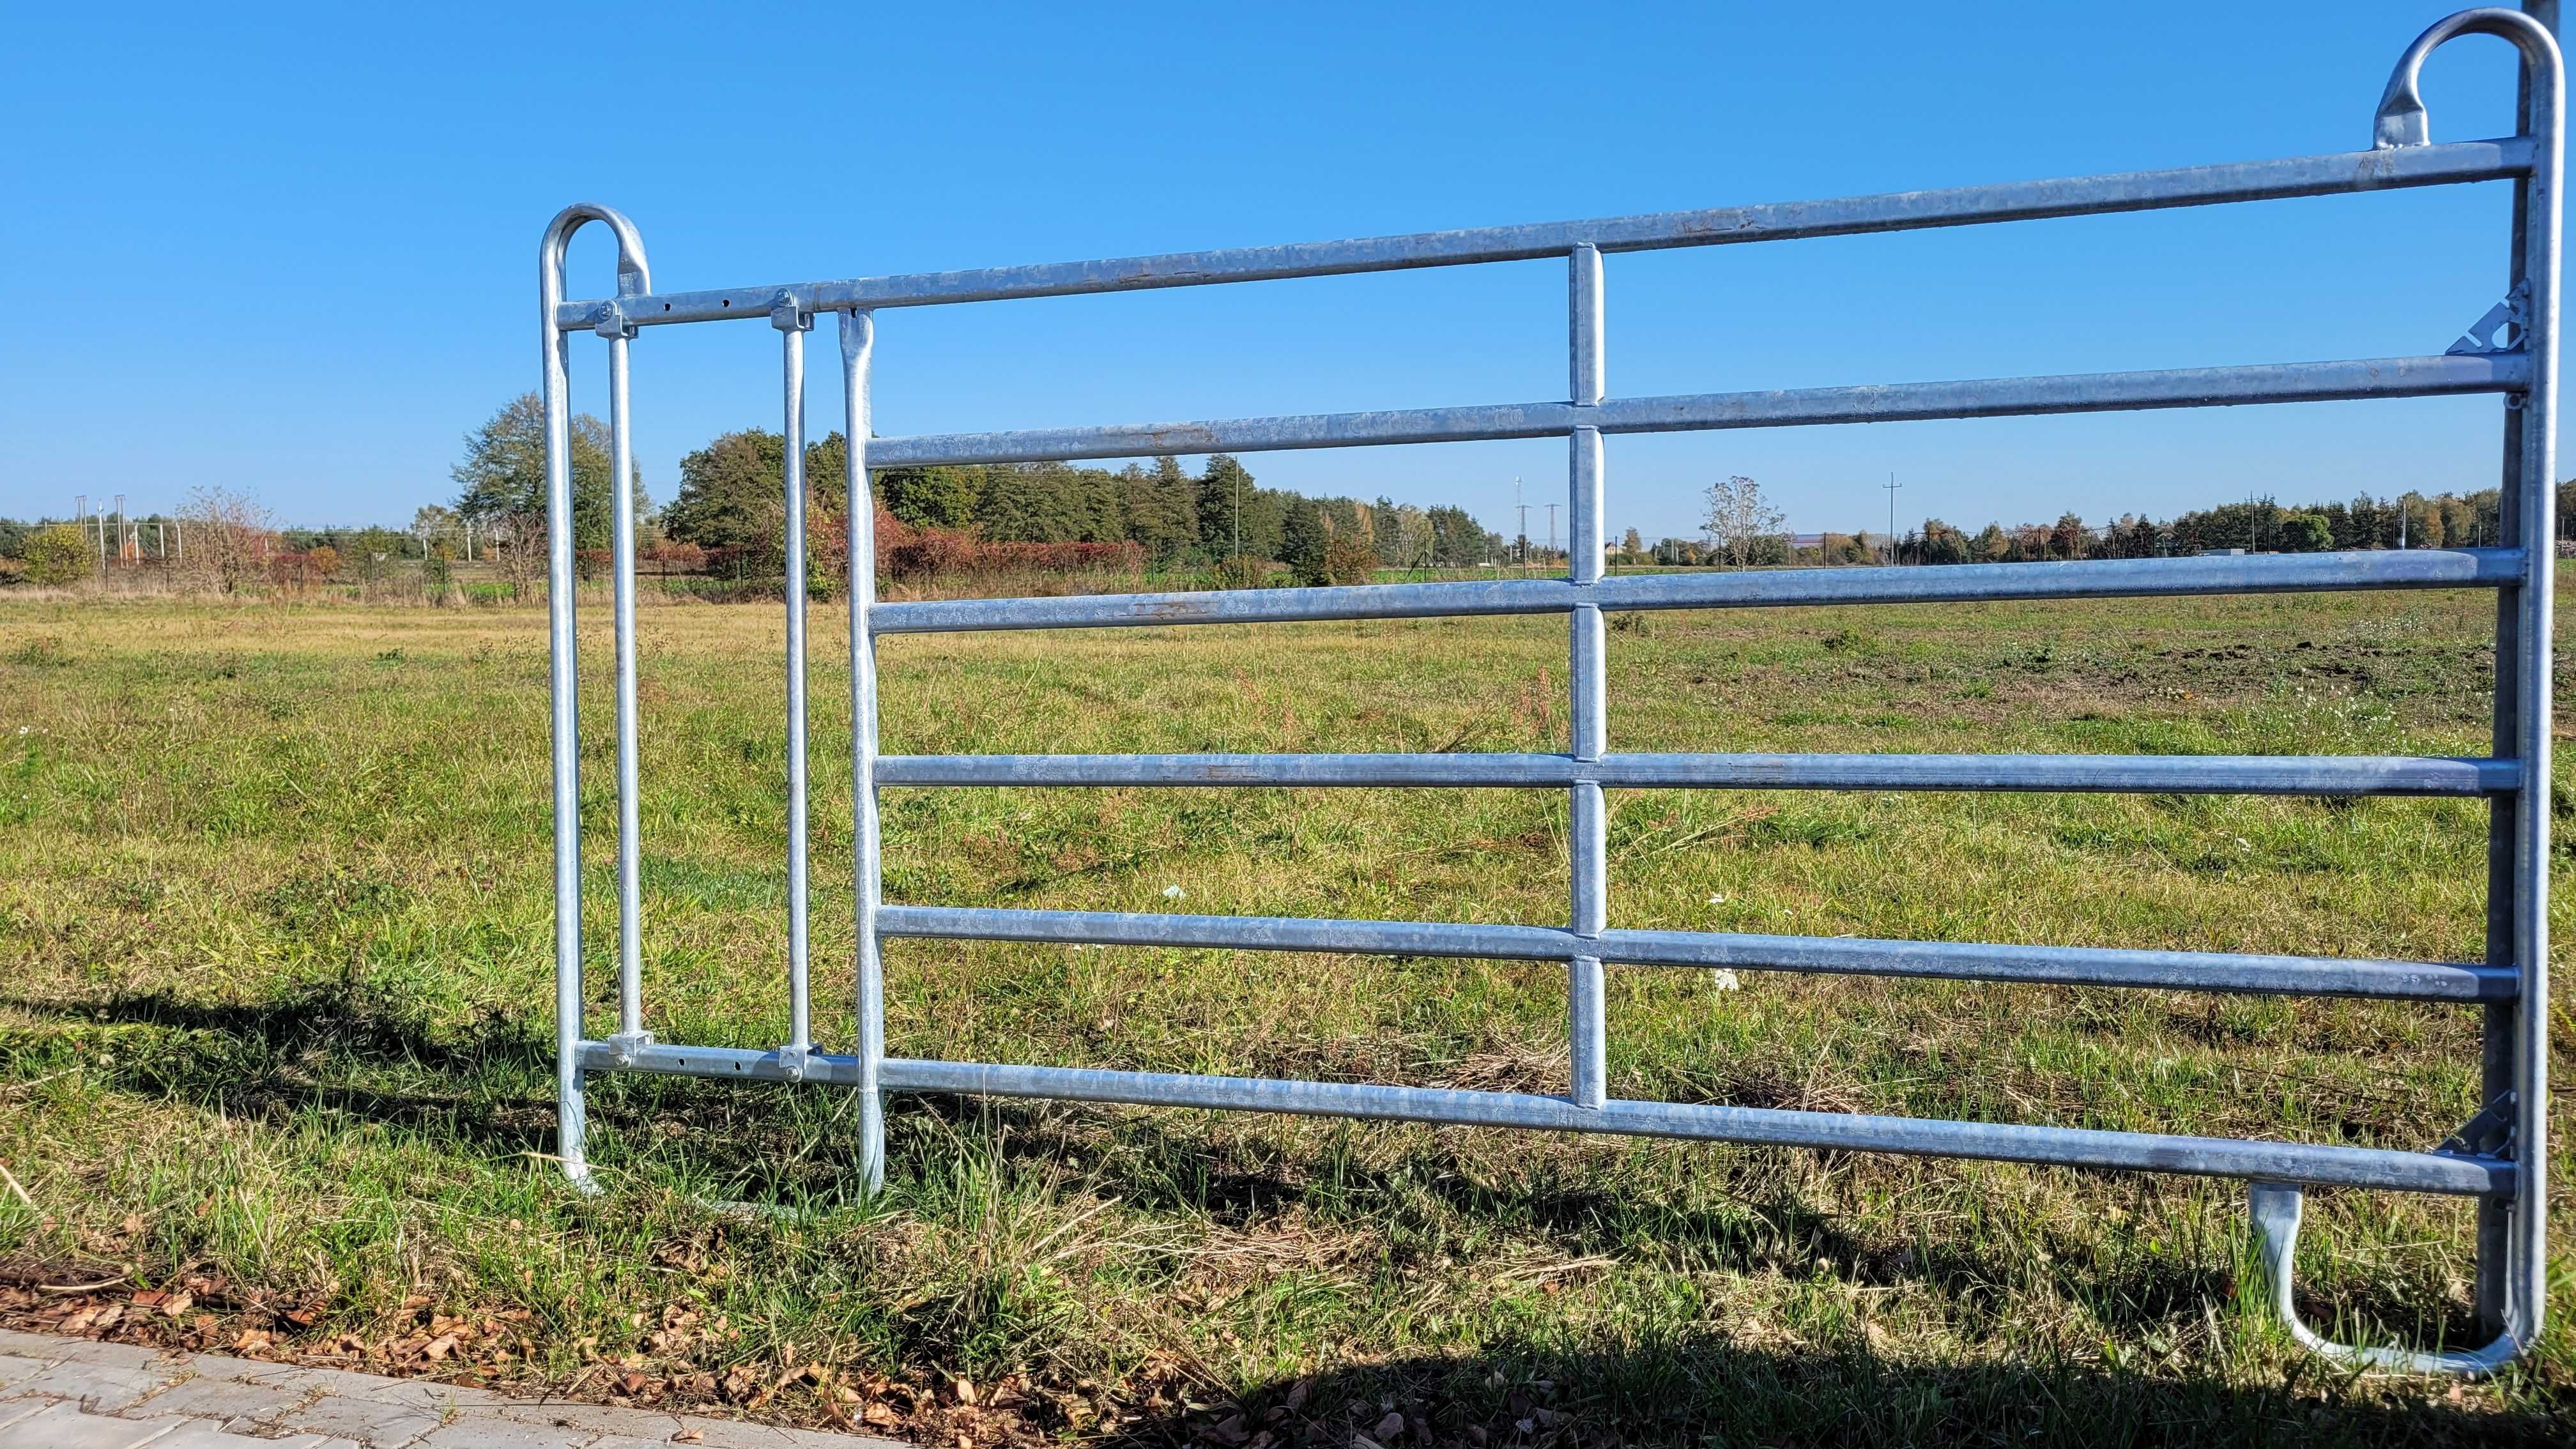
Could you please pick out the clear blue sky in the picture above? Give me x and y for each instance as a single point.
(294, 252)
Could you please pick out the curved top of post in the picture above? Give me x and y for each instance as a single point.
(634, 274)
(2401, 120)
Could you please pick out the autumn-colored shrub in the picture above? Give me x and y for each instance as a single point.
(910, 553)
(1349, 559)
(59, 555)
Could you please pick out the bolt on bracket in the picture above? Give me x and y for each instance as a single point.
(626, 1046)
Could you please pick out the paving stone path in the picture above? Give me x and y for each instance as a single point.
(70, 1393)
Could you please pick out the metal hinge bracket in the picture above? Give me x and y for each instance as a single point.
(2500, 330)
(2488, 1134)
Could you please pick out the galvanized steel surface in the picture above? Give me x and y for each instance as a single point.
(2515, 358)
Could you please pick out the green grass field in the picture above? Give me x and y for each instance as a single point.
(276, 1030)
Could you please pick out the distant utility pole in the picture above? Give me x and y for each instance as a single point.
(120, 528)
(1892, 486)
(1551, 529)
(1520, 541)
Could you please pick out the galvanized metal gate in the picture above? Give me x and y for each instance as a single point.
(2496, 1158)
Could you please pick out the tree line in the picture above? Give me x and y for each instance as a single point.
(731, 504)
(1743, 529)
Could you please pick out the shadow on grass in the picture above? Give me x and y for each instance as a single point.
(338, 1046)
(1701, 1389)
(343, 1047)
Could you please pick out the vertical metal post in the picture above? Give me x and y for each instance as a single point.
(858, 339)
(2544, 120)
(2503, 1019)
(630, 907)
(792, 324)
(1588, 666)
(563, 675)
(563, 691)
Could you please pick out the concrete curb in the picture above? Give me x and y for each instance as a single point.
(70, 1393)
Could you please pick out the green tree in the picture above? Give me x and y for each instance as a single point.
(59, 553)
(1227, 500)
(733, 494)
(932, 497)
(502, 477)
(2305, 533)
(1303, 540)
(1161, 509)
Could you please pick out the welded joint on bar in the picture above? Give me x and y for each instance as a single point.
(2488, 1134)
(2500, 330)
(626, 1046)
(787, 315)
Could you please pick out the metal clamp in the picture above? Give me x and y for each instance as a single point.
(787, 316)
(794, 1062)
(613, 323)
(626, 1046)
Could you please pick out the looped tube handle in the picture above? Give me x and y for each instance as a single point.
(2275, 1208)
(2401, 120)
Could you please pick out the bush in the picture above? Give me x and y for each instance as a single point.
(2306, 533)
(1242, 573)
(58, 555)
(1349, 559)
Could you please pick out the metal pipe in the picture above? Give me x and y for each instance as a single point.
(2090, 774)
(563, 659)
(792, 323)
(630, 890)
(2371, 1167)
(2418, 568)
(2005, 397)
(858, 342)
(1587, 677)
(2545, 79)
(2498, 1040)
(1843, 955)
(2330, 175)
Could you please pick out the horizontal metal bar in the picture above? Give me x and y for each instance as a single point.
(1950, 960)
(2353, 171)
(2421, 568)
(2188, 387)
(1851, 1132)
(2112, 774)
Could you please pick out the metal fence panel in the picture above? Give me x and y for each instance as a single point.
(2497, 1158)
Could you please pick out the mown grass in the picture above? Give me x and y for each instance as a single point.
(275, 918)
